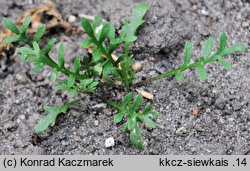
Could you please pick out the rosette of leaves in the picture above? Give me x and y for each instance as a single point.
(103, 40)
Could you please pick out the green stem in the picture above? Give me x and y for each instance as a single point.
(50, 62)
(103, 50)
(180, 69)
(26, 41)
(126, 75)
(106, 52)
(126, 50)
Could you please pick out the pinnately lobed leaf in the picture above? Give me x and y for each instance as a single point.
(129, 107)
(238, 47)
(129, 29)
(50, 118)
(138, 13)
(44, 123)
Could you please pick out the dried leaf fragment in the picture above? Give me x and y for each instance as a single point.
(145, 94)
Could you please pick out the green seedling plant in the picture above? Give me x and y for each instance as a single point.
(91, 71)
(87, 72)
(103, 40)
(218, 56)
(129, 108)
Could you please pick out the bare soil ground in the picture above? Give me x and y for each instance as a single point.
(222, 125)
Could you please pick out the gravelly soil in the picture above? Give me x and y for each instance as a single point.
(221, 127)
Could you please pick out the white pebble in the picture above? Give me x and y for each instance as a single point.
(245, 24)
(72, 18)
(109, 142)
(204, 12)
(96, 122)
(137, 66)
(22, 117)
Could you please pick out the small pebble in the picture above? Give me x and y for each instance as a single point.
(36, 24)
(96, 122)
(195, 111)
(137, 66)
(17, 102)
(152, 59)
(208, 110)
(22, 117)
(39, 77)
(152, 73)
(245, 24)
(204, 12)
(181, 130)
(154, 19)
(109, 142)
(107, 112)
(155, 133)
(77, 139)
(194, 7)
(21, 79)
(161, 126)
(72, 18)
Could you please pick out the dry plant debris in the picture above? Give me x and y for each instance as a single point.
(43, 14)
